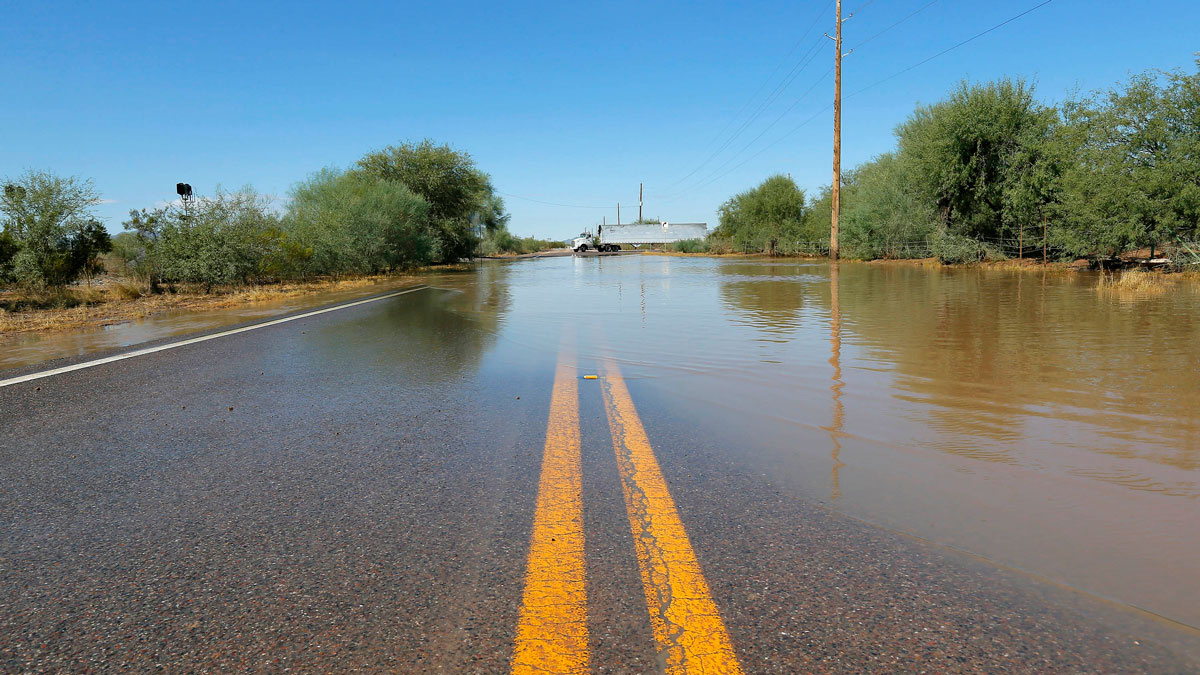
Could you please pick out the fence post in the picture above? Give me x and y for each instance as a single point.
(1043, 239)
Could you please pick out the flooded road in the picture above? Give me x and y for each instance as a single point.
(29, 348)
(841, 468)
(1020, 416)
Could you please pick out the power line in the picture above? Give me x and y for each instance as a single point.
(708, 181)
(705, 180)
(808, 58)
(759, 110)
(567, 206)
(911, 15)
(953, 47)
(771, 98)
(761, 87)
(739, 165)
(861, 8)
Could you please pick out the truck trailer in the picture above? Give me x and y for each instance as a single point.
(608, 238)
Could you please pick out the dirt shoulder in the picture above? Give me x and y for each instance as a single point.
(548, 253)
(111, 301)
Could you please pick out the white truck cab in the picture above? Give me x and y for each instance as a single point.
(586, 242)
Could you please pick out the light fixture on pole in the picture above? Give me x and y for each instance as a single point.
(185, 195)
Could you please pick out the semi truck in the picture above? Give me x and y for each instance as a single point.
(608, 238)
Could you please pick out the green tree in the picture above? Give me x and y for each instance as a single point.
(769, 218)
(1135, 180)
(8, 249)
(354, 223)
(494, 216)
(52, 235)
(983, 157)
(883, 216)
(445, 178)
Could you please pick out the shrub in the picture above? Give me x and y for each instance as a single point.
(954, 249)
(51, 237)
(501, 240)
(224, 240)
(690, 246)
(353, 223)
(764, 218)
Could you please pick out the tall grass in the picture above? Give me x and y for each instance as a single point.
(1135, 282)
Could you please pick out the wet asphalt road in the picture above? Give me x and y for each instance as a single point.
(356, 492)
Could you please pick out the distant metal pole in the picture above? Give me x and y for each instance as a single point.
(618, 213)
(1021, 242)
(639, 201)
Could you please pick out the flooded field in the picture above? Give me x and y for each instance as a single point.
(1021, 417)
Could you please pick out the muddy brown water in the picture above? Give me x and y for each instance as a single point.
(1021, 417)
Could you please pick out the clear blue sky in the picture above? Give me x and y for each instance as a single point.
(573, 103)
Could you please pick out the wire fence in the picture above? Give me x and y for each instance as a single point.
(1182, 253)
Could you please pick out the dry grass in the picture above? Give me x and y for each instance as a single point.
(118, 301)
(905, 262)
(1134, 283)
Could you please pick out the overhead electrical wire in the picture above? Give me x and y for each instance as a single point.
(771, 98)
(745, 126)
(952, 47)
(567, 206)
(715, 175)
(708, 181)
(761, 87)
(759, 110)
(906, 18)
(705, 180)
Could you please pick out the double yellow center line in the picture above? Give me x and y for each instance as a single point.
(552, 630)
(552, 634)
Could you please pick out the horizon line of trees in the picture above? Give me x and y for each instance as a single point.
(404, 206)
(978, 174)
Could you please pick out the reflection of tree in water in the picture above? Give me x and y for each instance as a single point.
(979, 350)
(766, 296)
(435, 334)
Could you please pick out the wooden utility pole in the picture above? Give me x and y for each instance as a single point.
(639, 201)
(837, 134)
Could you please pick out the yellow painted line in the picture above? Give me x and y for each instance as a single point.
(687, 626)
(552, 632)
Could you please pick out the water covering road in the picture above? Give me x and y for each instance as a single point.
(779, 467)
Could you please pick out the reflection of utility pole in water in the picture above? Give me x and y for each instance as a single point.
(835, 360)
(643, 303)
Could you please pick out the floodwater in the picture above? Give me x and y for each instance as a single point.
(1021, 417)
(23, 349)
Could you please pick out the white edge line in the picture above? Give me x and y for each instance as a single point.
(190, 341)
